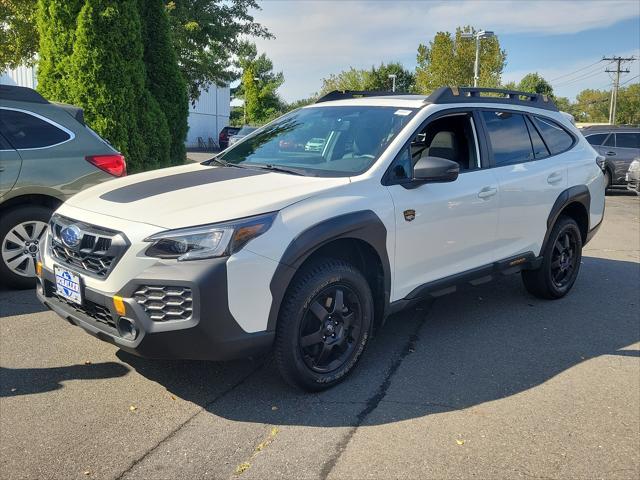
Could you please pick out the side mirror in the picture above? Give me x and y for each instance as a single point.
(435, 170)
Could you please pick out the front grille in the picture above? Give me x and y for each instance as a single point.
(164, 303)
(99, 313)
(97, 252)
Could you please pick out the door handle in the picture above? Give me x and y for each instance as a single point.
(611, 154)
(555, 177)
(487, 192)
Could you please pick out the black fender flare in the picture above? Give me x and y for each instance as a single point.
(362, 225)
(576, 194)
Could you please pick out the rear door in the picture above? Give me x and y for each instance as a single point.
(527, 157)
(10, 163)
(626, 151)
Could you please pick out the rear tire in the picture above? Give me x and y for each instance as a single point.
(607, 180)
(21, 231)
(324, 324)
(561, 262)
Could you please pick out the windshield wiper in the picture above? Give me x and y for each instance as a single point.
(223, 163)
(275, 168)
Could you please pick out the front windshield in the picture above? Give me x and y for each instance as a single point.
(322, 141)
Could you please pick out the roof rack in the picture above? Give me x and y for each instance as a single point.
(20, 94)
(347, 94)
(473, 95)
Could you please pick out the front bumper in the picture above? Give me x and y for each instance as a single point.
(210, 333)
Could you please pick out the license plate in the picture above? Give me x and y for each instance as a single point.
(68, 285)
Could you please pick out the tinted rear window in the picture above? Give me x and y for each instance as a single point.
(27, 131)
(539, 148)
(557, 138)
(628, 140)
(596, 138)
(509, 138)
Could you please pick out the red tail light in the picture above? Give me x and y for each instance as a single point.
(113, 164)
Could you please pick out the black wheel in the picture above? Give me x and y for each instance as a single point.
(324, 324)
(607, 180)
(21, 231)
(561, 262)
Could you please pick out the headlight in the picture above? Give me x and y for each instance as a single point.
(208, 241)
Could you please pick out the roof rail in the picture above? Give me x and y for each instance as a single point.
(473, 95)
(347, 94)
(20, 94)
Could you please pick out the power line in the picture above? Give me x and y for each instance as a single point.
(576, 71)
(579, 79)
(616, 83)
(627, 81)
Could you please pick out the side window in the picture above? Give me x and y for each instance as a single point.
(611, 141)
(628, 140)
(596, 139)
(27, 131)
(556, 137)
(4, 145)
(539, 148)
(509, 138)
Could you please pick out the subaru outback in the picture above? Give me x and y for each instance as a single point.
(306, 252)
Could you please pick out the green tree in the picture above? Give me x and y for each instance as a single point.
(18, 34)
(164, 79)
(535, 83)
(207, 36)
(108, 80)
(628, 110)
(374, 79)
(351, 79)
(259, 85)
(57, 23)
(448, 60)
(592, 106)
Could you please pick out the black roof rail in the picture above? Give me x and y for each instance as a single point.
(473, 95)
(347, 94)
(20, 94)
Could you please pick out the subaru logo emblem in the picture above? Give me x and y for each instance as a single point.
(71, 236)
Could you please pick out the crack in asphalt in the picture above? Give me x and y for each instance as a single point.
(179, 427)
(373, 402)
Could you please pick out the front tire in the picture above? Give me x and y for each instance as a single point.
(21, 232)
(561, 262)
(324, 324)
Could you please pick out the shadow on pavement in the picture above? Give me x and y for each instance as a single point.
(19, 302)
(26, 381)
(471, 347)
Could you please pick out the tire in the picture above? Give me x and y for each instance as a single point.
(21, 230)
(607, 180)
(318, 343)
(561, 262)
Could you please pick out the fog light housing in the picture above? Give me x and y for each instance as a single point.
(127, 328)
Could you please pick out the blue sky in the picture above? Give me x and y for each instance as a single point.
(315, 38)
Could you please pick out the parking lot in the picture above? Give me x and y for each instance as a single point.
(488, 383)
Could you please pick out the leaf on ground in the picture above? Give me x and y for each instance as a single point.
(87, 362)
(87, 472)
(242, 468)
(133, 408)
(460, 442)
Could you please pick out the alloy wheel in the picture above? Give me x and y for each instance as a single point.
(21, 245)
(564, 258)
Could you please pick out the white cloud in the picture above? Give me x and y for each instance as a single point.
(316, 38)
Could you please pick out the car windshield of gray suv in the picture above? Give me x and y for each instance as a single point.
(320, 141)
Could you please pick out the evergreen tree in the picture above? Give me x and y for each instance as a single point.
(107, 78)
(164, 79)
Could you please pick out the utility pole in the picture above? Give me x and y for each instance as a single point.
(616, 84)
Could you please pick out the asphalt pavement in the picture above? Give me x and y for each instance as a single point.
(486, 383)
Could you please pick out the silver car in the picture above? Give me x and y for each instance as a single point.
(619, 145)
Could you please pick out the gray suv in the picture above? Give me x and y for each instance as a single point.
(620, 145)
(47, 154)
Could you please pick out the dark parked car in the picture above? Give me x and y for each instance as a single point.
(225, 133)
(620, 145)
(47, 154)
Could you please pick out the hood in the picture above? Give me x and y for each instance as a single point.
(198, 194)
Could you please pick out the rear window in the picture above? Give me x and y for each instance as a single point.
(509, 138)
(557, 138)
(539, 148)
(628, 140)
(24, 130)
(596, 139)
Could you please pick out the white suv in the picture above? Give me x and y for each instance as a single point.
(307, 251)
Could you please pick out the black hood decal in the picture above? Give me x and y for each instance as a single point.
(171, 183)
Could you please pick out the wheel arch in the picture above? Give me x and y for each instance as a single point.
(31, 199)
(357, 237)
(574, 202)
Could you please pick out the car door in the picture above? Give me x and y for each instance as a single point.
(627, 149)
(530, 176)
(10, 163)
(442, 228)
